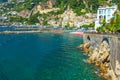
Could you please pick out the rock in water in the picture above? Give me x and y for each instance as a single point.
(86, 47)
(105, 56)
(80, 46)
(99, 56)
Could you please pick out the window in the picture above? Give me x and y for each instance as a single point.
(104, 11)
(109, 11)
(100, 19)
(99, 11)
(108, 16)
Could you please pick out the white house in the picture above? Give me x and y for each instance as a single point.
(104, 13)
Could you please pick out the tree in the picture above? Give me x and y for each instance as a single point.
(102, 2)
(33, 19)
(113, 26)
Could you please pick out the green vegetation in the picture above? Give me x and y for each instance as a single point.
(69, 27)
(89, 25)
(24, 5)
(117, 2)
(113, 26)
(18, 19)
(78, 6)
(14, 19)
(33, 19)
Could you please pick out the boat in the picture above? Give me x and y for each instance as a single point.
(77, 33)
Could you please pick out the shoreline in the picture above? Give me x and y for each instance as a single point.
(19, 32)
(103, 52)
(93, 59)
(33, 31)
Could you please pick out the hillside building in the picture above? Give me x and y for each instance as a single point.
(104, 13)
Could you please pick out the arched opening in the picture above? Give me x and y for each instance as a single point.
(105, 39)
(88, 38)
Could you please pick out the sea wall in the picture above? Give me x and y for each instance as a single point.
(106, 44)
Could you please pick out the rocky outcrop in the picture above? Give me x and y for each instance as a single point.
(101, 53)
(85, 47)
(104, 53)
(39, 8)
(99, 56)
(24, 13)
(44, 8)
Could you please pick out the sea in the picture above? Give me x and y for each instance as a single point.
(44, 56)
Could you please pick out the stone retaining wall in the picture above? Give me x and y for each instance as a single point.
(114, 44)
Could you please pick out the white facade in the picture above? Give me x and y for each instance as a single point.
(104, 13)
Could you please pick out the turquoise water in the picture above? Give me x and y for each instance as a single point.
(43, 57)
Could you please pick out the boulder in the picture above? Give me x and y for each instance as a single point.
(104, 47)
(99, 56)
(86, 47)
(105, 56)
(95, 54)
(89, 61)
(103, 69)
(111, 73)
(80, 46)
(106, 64)
(97, 63)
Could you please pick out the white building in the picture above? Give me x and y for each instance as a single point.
(104, 13)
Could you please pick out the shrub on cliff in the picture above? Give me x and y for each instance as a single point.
(113, 26)
(89, 25)
(33, 19)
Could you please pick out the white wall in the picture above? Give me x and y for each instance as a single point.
(107, 12)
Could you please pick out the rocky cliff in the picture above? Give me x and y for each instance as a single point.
(103, 50)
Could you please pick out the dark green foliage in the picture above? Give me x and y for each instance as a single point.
(18, 19)
(22, 6)
(77, 6)
(68, 27)
(113, 26)
(117, 2)
(103, 23)
(14, 19)
(89, 26)
(33, 19)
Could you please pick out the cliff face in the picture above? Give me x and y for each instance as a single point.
(104, 51)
